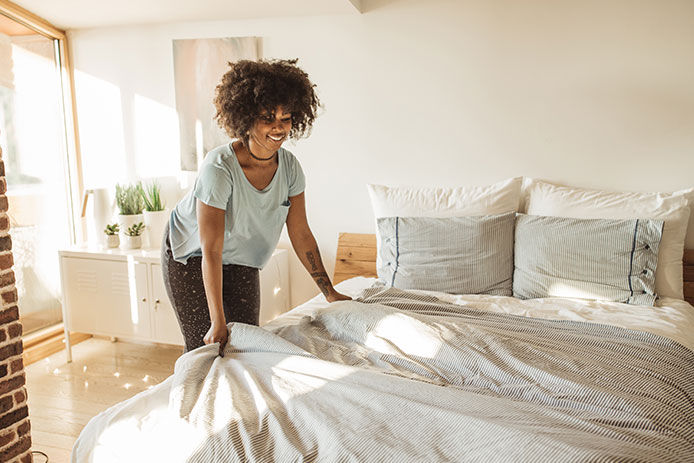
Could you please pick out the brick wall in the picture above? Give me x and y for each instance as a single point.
(15, 439)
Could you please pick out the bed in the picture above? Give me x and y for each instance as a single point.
(424, 375)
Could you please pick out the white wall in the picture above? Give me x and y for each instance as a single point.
(596, 93)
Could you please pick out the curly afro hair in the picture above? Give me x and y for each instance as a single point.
(251, 88)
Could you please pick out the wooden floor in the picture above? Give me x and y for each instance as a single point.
(63, 397)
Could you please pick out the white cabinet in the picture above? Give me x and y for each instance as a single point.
(117, 293)
(102, 297)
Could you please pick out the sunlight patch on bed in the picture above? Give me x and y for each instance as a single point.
(314, 374)
(565, 290)
(398, 333)
(133, 435)
(222, 412)
(260, 403)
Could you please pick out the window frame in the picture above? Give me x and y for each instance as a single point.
(74, 178)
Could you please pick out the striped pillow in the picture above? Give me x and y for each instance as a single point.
(459, 255)
(602, 259)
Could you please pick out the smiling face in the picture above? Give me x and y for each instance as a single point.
(269, 131)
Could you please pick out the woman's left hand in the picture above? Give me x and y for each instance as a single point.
(335, 296)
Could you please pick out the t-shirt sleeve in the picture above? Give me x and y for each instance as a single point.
(213, 186)
(297, 181)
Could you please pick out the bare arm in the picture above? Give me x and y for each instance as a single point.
(211, 229)
(304, 244)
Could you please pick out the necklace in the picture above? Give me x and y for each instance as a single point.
(256, 157)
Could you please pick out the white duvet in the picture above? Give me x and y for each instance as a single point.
(185, 418)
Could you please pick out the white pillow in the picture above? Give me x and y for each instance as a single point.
(688, 194)
(407, 201)
(443, 202)
(551, 200)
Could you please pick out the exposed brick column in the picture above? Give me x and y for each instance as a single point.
(15, 438)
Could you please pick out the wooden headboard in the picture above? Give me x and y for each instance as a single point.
(689, 275)
(356, 256)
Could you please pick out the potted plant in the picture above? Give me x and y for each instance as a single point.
(133, 236)
(130, 206)
(155, 213)
(112, 239)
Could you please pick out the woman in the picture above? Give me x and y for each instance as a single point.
(226, 228)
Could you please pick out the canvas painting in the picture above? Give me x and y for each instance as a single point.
(198, 68)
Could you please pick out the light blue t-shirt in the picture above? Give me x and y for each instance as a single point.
(254, 218)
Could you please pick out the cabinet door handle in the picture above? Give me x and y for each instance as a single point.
(144, 299)
(156, 301)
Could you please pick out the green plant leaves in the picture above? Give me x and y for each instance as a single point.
(151, 195)
(129, 200)
(112, 229)
(136, 229)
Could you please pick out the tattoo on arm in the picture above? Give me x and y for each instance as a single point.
(312, 260)
(322, 280)
(318, 271)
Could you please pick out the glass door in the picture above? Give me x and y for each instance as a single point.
(32, 136)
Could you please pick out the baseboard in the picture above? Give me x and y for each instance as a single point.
(48, 341)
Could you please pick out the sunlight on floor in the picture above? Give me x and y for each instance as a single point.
(63, 397)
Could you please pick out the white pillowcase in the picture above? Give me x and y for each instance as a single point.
(688, 194)
(551, 200)
(407, 201)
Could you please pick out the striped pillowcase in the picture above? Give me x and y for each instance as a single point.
(458, 255)
(603, 259)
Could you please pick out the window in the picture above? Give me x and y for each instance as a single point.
(34, 135)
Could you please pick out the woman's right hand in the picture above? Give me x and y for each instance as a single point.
(217, 333)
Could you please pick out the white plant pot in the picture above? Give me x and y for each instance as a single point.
(132, 242)
(112, 241)
(125, 222)
(155, 222)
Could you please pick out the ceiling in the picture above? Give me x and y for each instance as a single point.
(81, 14)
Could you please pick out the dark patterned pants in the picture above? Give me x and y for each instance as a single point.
(240, 294)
